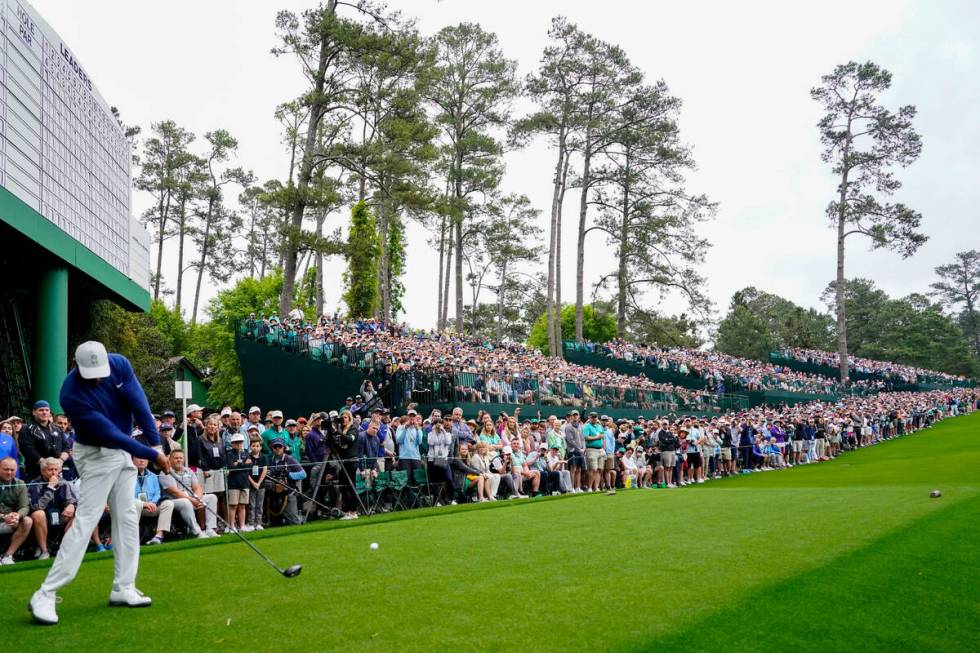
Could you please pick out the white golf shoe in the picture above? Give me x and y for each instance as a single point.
(42, 607)
(129, 598)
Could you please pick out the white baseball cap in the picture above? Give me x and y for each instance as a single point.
(226, 412)
(193, 408)
(254, 409)
(92, 359)
(237, 437)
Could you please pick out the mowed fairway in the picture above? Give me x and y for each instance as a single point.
(847, 555)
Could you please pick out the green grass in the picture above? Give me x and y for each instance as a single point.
(848, 555)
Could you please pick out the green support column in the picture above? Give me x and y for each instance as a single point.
(51, 337)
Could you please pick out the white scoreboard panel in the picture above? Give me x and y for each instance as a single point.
(61, 150)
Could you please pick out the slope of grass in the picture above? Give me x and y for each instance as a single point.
(723, 565)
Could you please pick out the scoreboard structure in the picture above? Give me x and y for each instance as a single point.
(65, 196)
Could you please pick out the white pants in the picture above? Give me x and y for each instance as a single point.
(183, 508)
(106, 476)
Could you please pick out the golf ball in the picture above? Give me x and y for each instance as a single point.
(374, 545)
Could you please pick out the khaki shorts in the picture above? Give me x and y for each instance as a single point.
(797, 445)
(610, 463)
(669, 458)
(237, 497)
(594, 459)
(726, 453)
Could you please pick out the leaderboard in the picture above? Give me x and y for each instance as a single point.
(64, 154)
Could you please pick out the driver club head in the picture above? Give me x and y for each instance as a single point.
(292, 572)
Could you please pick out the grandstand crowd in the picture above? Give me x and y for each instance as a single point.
(260, 468)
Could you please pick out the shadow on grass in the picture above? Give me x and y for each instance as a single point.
(915, 589)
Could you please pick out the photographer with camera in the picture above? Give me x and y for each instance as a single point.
(343, 445)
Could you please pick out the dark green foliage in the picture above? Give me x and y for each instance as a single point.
(743, 333)
(361, 275)
(784, 324)
(911, 330)
(597, 326)
(214, 341)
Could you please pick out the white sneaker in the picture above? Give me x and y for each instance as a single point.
(7, 560)
(129, 598)
(247, 528)
(42, 607)
(259, 527)
(452, 503)
(44, 556)
(212, 533)
(700, 480)
(201, 535)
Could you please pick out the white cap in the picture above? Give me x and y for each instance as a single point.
(254, 409)
(237, 437)
(193, 408)
(226, 412)
(277, 413)
(508, 450)
(92, 359)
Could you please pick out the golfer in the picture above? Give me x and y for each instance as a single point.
(102, 397)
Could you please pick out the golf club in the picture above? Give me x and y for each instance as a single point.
(288, 572)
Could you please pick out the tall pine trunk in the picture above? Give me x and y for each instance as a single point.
(442, 256)
(499, 330)
(841, 224)
(583, 208)
(556, 197)
(320, 218)
(181, 235)
(621, 270)
(306, 171)
(200, 272)
(446, 278)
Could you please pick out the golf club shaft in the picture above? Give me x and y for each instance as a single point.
(244, 539)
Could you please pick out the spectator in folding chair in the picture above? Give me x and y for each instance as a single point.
(557, 465)
(148, 497)
(466, 475)
(53, 503)
(550, 479)
(482, 461)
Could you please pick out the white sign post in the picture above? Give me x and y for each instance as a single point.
(182, 391)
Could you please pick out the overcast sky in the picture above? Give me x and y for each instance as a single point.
(743, 71)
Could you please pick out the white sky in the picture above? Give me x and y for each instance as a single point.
(743, 70)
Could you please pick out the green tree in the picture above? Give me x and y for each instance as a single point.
(361, 275)
(863, 141)
(597, 326)
(959, 284)
(787, 324)
(165, 154)
(471, 87)
(743, 333)
(646, 213)
(326, 46)
(213, 343)
(215, 222)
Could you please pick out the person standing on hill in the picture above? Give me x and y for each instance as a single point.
(102, 397)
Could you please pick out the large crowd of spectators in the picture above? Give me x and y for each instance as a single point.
(259, 469)
(884, 370)
(724, 372)
(475, 370)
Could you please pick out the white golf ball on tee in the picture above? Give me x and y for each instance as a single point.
(374, 546)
